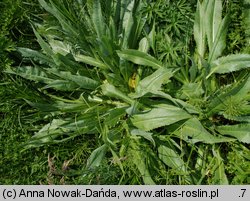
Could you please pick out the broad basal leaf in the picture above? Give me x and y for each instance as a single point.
(140, 58)
(159, 115)
(127, 22)
(193, 131)
(239, 131)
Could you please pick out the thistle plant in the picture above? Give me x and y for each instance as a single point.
(98, 78)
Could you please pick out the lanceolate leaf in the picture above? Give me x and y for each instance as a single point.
(219, 43)
(193, 131)
(172, 159)
(37, 56)
(62, 85)
(230, 63)
(45, 46)
(31, 73)
(216, 29)
(239, 131)
(213, 20)
(111, 91)
(81, 81)
(218, 170)
(160, 115)
(199, 30)
(127, 23)
(98, 18)
(114, 116)
(140, 58)
(90, 61)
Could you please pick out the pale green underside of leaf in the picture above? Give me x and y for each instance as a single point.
(240, 131)
(140, 58)
(30, 73)
(193, 131)
(79, 80)
(213, 20)
(160, 115)
(172, 159)
(230, 63)
(199, 30)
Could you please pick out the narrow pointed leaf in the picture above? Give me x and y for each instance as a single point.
(111, 91)
(30, 73)
(90, 61)
(44, 45)
(199, 30)
(218, 170)
(62, 85)
(219, 43)
(140, 58)
(97, 18)
(213, 21)
(160, 115)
